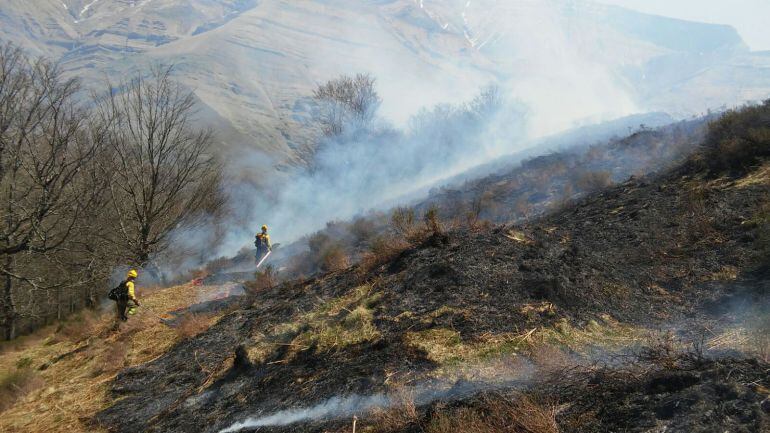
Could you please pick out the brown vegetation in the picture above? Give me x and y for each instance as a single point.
(345, 102)
(263, 280)
(593, 180)
(55, 381)
(192, 324)
(738, 139)
(497, 414)
(161, 171)
(16, 383)
(87, 186)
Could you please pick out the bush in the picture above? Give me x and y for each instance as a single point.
(402, 221)
(263, 280)
(593, 180)
(363, 229)
(762, 220)
(192, 324)
(327, 254)
(79, 327)
(111, 360)
(218, 265)
(432, 220)
(736, 141)
(382, 250)
(333, 258)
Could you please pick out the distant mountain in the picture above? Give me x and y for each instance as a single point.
(253, 64)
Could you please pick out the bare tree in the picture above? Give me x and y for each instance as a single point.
(45, 149)
(347, 101)
(160, 167)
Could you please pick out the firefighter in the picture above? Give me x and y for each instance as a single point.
(262, 242)
(124, 293)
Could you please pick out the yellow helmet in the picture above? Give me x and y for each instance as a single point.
(132, 273)
(264, 228)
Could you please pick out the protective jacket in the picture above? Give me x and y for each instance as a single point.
(130, 287)
(263, 241)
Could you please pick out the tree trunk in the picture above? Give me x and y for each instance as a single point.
(8, 310)
(58, 303)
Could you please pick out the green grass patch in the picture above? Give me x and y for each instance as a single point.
(446, 347)
(331, 325)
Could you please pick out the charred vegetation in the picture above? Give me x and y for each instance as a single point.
(551, 322)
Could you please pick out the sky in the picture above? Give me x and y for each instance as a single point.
(749, 17)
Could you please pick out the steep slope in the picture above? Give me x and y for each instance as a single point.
(61, 374)
(473, 308)
(254, 64)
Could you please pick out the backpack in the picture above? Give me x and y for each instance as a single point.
(261, 241)
(119, 293)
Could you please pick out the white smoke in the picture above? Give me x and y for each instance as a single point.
(335, 407)
(502, 373)
(537, 59)
(353, 175)
(563, 59)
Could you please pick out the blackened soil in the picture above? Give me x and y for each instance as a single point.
(689, 395)
(646, 251)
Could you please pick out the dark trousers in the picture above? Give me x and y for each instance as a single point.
(261, 253)
(120, 309)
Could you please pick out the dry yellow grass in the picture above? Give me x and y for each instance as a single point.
(76, 387)
(757, 177)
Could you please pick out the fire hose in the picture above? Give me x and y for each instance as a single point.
(263, 259)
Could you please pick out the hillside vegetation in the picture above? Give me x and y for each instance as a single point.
(638, 306)
(58, 378)
(515, 193)
(90, 186)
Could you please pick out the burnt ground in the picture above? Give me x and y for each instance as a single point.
(688, 394)
(649, 252)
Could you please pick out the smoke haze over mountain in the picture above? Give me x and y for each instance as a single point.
(253, 67)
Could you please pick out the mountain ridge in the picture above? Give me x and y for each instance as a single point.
(255, 64)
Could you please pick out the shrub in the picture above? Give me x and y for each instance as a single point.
(402, 221)
(593, 180)
(522, 207)
(191, 325)
(737, 140)
(79, 327)
(382, 250)
(218, 265)
(333, 258)
(263, 280)
(318, 242)
(762, 220)
(112, 359)
(363, 229)
(432, 220)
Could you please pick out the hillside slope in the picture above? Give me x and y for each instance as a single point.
(253, 65)
(469, 311)
(57, 379)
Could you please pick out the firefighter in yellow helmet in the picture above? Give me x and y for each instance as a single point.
(124, 293)
(262, 242)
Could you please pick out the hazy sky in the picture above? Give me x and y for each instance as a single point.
(750, 17)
